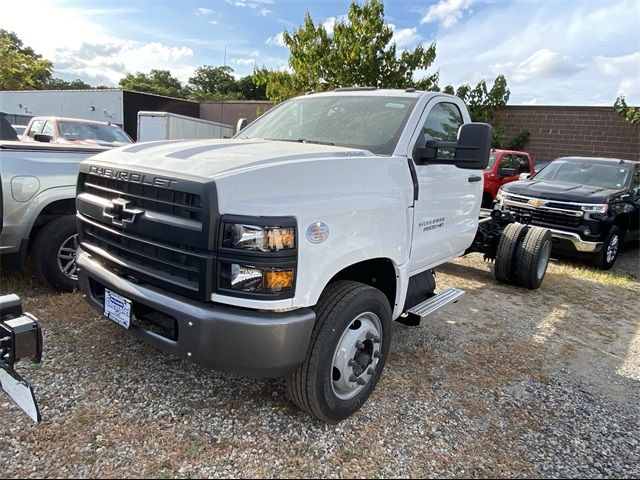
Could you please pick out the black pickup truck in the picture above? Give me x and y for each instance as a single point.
(591, 205)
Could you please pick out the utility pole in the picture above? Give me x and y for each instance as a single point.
(222, 100)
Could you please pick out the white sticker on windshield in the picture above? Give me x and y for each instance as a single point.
(395, 105)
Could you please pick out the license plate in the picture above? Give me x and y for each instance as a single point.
(117, 308)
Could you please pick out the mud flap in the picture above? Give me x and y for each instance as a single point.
(20, 391)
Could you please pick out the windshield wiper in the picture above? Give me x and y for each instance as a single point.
(300, 140)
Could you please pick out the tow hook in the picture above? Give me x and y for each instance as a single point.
(20, 338)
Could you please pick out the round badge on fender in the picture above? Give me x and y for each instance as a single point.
(317, 232)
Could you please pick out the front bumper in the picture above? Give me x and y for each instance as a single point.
(566, 240)
(236, 340)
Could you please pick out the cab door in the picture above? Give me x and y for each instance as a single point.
(448, 205)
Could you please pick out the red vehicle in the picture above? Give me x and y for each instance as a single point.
(504, 166)
(75, 131)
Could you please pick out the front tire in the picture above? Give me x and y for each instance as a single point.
(347, 352)
(606, 258)
(54, 253)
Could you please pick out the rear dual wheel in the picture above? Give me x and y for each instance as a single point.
(523, 255)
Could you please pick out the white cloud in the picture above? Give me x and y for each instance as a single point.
(253, 4)
(203, 12)
(544, 63)
(446, 12)
(558, 53)
(250, 60)
(405, 37)
(101, 57)
(330, 22)
(622, 65)
(276, 40)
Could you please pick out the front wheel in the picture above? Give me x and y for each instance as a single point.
(606, 257)
(346, 354)
(54, 253)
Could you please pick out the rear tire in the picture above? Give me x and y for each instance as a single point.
(54, 256)
(606, 258)
(532, 258)
(347, 313)
(510, 240)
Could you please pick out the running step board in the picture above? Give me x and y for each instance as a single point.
(426, 308)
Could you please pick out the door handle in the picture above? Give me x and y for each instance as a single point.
(474, 178)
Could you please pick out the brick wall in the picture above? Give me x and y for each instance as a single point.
(562, 131)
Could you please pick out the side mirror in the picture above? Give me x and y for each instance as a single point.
(474, 145)
(525, 176)
(506, 172)
(471, 150)
(242, 123)
(42, 137)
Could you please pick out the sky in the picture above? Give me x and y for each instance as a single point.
(555, 52)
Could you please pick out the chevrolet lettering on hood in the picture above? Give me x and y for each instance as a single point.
(132, 177)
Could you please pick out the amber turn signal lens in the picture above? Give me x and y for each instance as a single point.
(278, 280)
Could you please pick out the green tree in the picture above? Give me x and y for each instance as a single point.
(250, 90)
(482, 102)
(278, 85)
(59, 84)
(160, 82)
(210, 82)
(630, 114)
(20, 67)
(361, 51)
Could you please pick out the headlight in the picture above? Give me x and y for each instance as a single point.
(258, 238)
(500, 196)
(252, 279)
(596, 208)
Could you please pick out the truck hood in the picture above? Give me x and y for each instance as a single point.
(561, 191)
(212, 159)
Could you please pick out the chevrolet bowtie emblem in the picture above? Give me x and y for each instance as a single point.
(120, 213)
(537, 203)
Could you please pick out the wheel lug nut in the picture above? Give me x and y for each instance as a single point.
(376, 340)
(370, 336)
(352, 363)
(359, 345)
(361, 381)
(377, 354)
(353, 378)
(371, 371)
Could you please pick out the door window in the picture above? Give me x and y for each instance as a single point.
(48, 128)
(442, 124)
(36, 127)
(522, 164)
(507, 162)
(635, 181)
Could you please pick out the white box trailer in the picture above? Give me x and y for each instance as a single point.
(171, 126)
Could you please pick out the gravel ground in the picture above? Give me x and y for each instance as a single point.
(505, 383)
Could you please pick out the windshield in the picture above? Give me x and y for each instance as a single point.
(368, 122)
(492, 160)
(93, 131)
(603, 175)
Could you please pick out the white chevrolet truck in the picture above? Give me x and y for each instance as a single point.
(290, 249)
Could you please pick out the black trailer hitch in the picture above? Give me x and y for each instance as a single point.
(20, 338)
